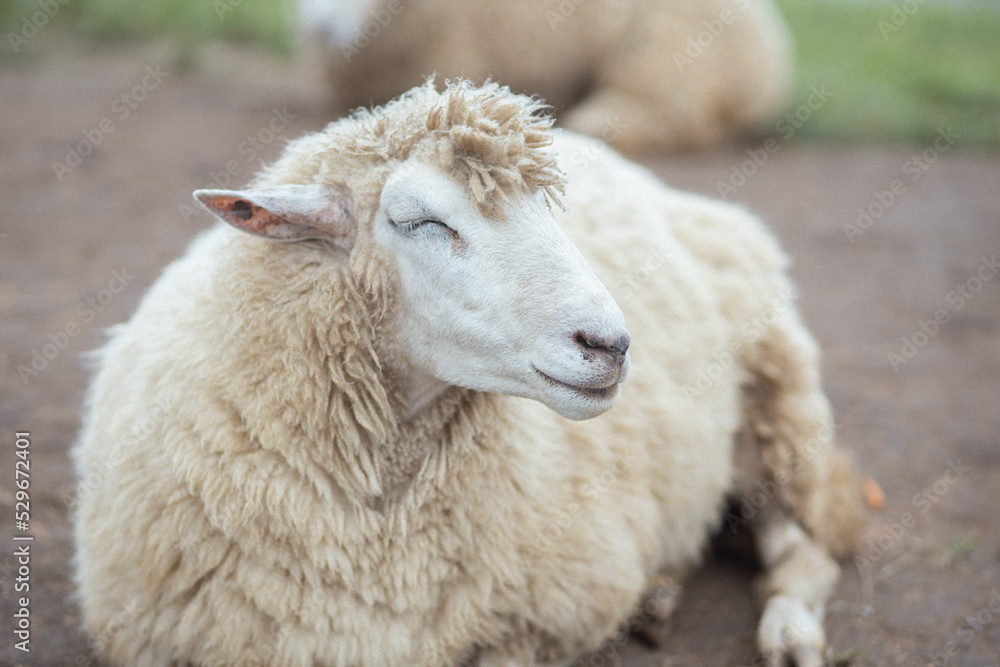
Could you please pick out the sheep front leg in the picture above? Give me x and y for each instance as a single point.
(799, 576)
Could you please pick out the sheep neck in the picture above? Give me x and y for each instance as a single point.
(421, 390)
(408, 462)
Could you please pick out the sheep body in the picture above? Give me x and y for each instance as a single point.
(643, 75)
(246, 496)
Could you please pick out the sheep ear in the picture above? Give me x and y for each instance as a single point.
(287, 212)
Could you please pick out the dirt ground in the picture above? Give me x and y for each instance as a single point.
(81, 241)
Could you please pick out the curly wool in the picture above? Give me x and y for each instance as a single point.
(492, 141)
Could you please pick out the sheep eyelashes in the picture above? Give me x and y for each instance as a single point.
(287, 212)
(417, 456)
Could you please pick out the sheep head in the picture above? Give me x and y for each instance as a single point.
(490, 294)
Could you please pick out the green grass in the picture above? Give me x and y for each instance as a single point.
(940, 68)
(190, 23)
(265, 22)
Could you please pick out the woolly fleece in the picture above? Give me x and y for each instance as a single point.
(248, 494)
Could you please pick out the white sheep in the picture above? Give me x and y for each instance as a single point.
(642, 74)
(312, 444)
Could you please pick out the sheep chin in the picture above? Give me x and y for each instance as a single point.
(577, 403)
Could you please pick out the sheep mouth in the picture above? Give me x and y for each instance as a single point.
(591, 392)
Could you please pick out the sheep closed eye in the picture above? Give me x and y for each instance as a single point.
(413, 225)
(433, 228)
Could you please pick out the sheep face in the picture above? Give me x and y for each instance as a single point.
(504, 305)
(500, 305)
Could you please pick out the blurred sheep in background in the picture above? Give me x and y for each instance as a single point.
(644, 75)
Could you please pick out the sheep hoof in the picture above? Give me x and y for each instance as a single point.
(790, 633)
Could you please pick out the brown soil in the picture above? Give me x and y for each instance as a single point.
(78, 249)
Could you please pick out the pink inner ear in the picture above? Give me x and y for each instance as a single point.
(260, 221)
(287, 212)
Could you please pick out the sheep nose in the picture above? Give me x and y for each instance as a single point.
(594, 346)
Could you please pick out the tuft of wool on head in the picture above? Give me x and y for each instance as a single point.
(495, 140)
(491, 140)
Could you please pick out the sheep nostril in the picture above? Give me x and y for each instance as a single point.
(593, 346)
(620, 346)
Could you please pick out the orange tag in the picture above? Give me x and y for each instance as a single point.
(874, 496)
